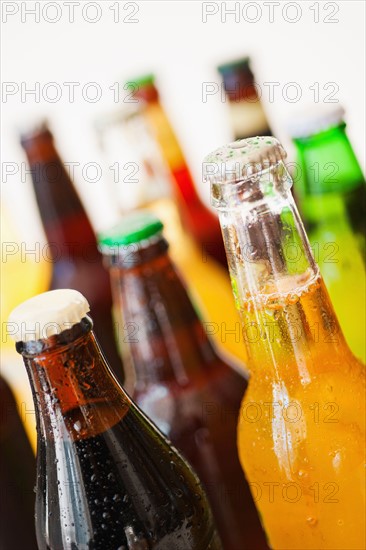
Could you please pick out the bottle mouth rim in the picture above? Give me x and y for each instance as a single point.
(56, 341)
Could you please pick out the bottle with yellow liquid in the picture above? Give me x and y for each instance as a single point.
(25, 272)
(301, 426)
(332, 196)
(207, 281)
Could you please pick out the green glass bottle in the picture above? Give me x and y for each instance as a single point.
(331, 192)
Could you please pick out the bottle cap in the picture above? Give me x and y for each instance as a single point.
(241, 159)
(47, 314)
(141, 81)
(134, 228)
(316, 118)
(234, 66)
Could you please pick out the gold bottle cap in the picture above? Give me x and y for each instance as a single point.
(47, 314)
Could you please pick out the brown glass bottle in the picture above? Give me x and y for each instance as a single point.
(174, 374)
(76, 260)
(17, 478)
(107, 479)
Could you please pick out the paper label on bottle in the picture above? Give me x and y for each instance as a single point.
(248, 119)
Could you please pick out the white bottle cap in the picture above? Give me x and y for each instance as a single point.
(47, 314)
(316, 118)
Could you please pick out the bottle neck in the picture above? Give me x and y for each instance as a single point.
(328, 164)
(70, 377)
(170, 148)
(246, 111)
(64, 219)
(287, 318)
(161, 336)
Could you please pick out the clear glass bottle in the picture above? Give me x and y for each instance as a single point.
(125, 135)
(106, 477)
(331, 191)
(302, 423)
(174, 374)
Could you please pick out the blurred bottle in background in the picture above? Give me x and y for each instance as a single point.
(247, 115)
(24, 273)
(127, 135)
(174, 374)
(17, 478)
(197, 218)
(332, 195)
(72, 245)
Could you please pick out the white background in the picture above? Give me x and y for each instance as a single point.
(170, 39)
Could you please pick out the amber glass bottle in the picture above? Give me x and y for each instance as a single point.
(175, 375)
(73, 250)
(197, 218)
(106, 477)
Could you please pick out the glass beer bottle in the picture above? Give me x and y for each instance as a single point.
(245, 107)
(332, 196)
(197, 218)
(76, 260)
(302, 422)
(174, 374)
(106, 477)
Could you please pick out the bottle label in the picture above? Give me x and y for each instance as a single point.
(248, 119)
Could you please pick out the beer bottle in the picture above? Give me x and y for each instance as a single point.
(302, 423)
(332, 194)
(17, 477)
(106, 477)
(174, 374)
(76, 260)
(247, 115)
(197, 218)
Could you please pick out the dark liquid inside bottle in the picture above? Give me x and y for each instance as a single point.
(117, 502)
(106, 478)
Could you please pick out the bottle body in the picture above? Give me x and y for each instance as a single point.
(190, 393)
(301, 444)
(106, 478)
(332, 195)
